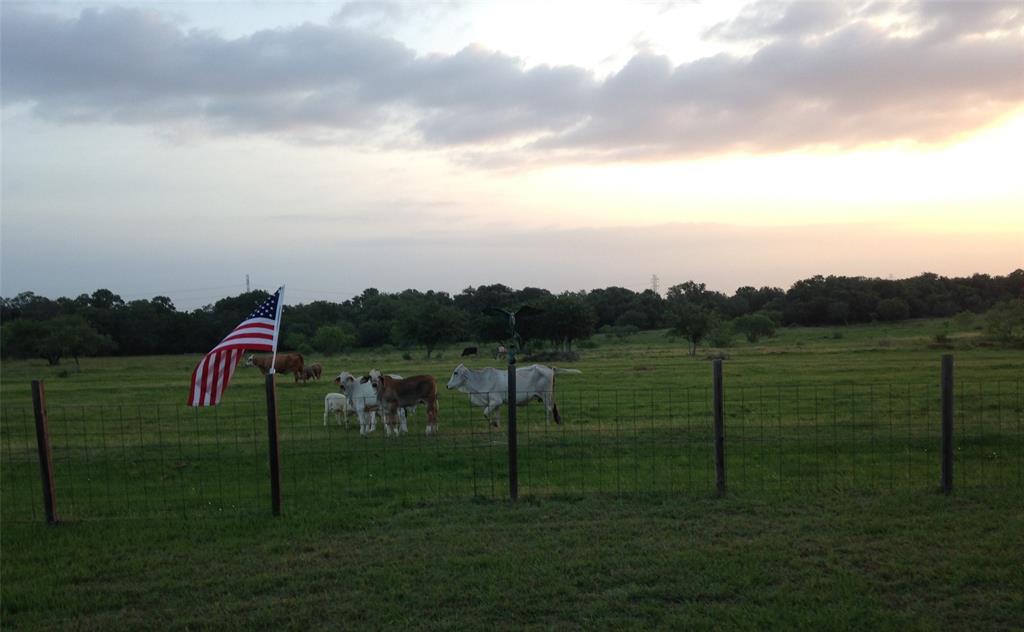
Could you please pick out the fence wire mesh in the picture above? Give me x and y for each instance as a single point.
(125, 461)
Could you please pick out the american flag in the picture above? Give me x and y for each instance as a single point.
(258, 332)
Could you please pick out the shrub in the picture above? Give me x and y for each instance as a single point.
(692, 323)
(1005, 321)
(632, 318)
(721, 335)
(753, 326)
(331, 339)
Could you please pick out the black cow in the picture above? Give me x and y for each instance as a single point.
(468, 351)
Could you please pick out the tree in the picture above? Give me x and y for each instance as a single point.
(70, 336)
(610, 304)
(1005, 321)
(561, 320)
(20, 338)
(692, 323)
(572, 319)
(891, 309)
(632, 317)
(332, 339)
(694, 293)
(430, 325)
(754, 326)
(721, 333)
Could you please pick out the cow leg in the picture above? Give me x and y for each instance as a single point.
(325, 415)
(432, 417)
(492, 412)
(391, 419)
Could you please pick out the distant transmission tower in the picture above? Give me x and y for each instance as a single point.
(654, 283)
(247, 290)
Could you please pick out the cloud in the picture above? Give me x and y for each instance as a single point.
(823, 75)
(781, 19)
(382, 16)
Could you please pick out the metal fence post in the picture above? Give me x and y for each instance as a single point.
(45, 453)
(273, 436)
(719, 409)
(947, 423)
(513, 451)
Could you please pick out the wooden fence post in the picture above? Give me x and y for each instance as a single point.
(719, 408)
(513, 443)
(45, 453)
(273, 436)
(947, 423)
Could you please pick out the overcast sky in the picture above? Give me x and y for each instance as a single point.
(172, 148)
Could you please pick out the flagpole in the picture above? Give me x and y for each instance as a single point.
(273, 429)
(277, 327)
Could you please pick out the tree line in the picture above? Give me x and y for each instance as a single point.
(102, 323)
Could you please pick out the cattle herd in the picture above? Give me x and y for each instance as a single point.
(396, 397)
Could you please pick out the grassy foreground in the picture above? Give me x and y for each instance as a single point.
(886, 561)
(832, 521)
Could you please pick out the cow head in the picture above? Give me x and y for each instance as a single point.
(249, 360)
(459, 376)
(374, 379)
(344, 379)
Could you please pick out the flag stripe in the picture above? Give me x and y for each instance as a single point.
(214, 382)
(248, 334)
(207, 377)
(256, 323)
(253, 344)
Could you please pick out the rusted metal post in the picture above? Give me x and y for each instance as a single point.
(273, 436)
(719, 408)
(947, 423)
(45, 453)
(513, 447)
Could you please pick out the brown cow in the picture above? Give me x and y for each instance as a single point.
(311, 372)
(285, 363)
(394, 394)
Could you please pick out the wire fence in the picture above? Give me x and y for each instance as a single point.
(163, 460)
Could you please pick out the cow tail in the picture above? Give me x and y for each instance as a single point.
(554, 411)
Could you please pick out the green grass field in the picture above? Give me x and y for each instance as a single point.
(832, 518)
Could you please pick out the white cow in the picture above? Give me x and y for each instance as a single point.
(363, 400)
(338, 405)
(489, 388)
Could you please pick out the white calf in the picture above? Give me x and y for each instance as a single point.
(337, 404)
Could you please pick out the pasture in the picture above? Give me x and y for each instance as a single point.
(832, 442)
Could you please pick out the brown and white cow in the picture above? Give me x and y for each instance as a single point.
(399, 393)
(285, 363)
